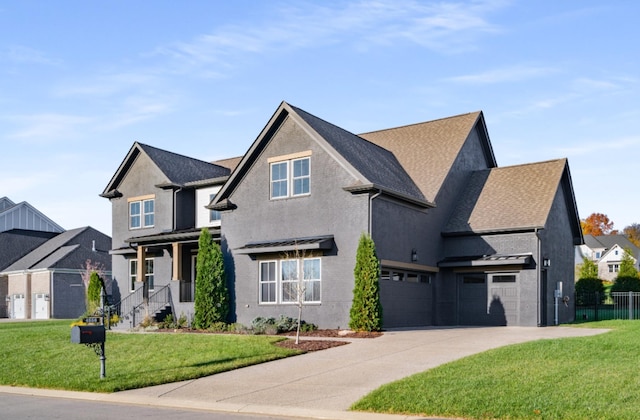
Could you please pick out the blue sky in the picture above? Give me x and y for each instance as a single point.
(81, 81)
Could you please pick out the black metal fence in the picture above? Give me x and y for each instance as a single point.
(614, 305)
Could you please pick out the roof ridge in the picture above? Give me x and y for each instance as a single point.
(420, 123)
(143, 145)
(518, 165)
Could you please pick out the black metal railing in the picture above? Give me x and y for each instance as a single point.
(615, 305)
(134, 308)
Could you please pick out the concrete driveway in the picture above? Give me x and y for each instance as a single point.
(324, 384)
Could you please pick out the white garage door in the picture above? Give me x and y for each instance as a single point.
(41, 306)
(17, 306)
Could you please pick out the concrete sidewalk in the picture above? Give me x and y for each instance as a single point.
(324, 384)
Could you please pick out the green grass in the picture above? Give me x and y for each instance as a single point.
(40, 355)
(574, 378)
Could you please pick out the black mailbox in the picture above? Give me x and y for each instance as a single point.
(88, 334)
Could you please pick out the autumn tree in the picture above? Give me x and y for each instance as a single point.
(597, 224)
(212, 297)
(633, 233)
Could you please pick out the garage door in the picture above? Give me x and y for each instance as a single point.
(491, 299)
(41, 306)
(17, 306)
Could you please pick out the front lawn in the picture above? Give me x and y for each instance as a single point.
(40, 355)
(574, 378)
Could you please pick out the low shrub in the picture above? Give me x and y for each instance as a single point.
(271, 326)
(586, 290)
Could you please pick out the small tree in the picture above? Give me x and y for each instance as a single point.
(93, 292)
(627, 279)
(588, 269)
(212, 297)
(366, 309)
(586, 289)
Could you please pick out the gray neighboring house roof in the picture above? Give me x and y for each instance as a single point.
(608, 241)
(58, 252)
(179, 170)
(16, 243)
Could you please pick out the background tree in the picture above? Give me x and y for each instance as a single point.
(627, 279)
(93, 292)
(212, 297)
(366, 309)
(588, 269)
(589, 288)
(633, 233)
(597, 224)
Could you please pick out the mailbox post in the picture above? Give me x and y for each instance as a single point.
(93, 336)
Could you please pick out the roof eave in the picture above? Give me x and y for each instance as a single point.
(367, 188)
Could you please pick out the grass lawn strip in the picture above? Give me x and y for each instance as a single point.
(572, 378)
(40, 355)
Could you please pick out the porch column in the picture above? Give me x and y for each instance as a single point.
(142, 266)
(177, 261)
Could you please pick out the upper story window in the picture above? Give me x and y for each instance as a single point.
(290, 176)
(214, 215)
(141, 212)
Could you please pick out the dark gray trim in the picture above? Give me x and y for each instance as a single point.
(284, 245)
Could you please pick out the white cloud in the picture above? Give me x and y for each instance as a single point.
(24, 54)
(444, 27)
(598, 147)
(47, 126)
(511, 74)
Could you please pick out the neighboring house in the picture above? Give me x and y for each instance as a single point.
(47, 281)
(460, 241)
(607, 251)
(14, 244)
(22, 228)
(24, 216)
(158, 209)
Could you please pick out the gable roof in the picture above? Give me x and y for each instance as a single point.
(16, 243)
(53, 251)
(372, 166)
(609, 241)
(428, 150)
(24, 216)
(376, 165)
(179, 170)
(513, 198)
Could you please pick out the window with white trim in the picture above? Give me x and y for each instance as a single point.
(141, 213)
(290, 178)
(213, 214)
(287, 280)
(268, 281)
(133, 273)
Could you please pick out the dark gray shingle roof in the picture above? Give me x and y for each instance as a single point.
(181, 169)
(378, 165)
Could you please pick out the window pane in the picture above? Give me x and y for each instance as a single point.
(268, 282)
(213, 214)
(290, 270)
(301, 176)
(312, 280)
(134, 214)
(133, 273)
(279, 187)
(149, 212)
(149, 274)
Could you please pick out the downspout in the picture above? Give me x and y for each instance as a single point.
(539, 278)
(371, 198)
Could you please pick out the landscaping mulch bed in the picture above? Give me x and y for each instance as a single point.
(304, 345)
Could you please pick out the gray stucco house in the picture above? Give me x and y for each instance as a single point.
(461, 241)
